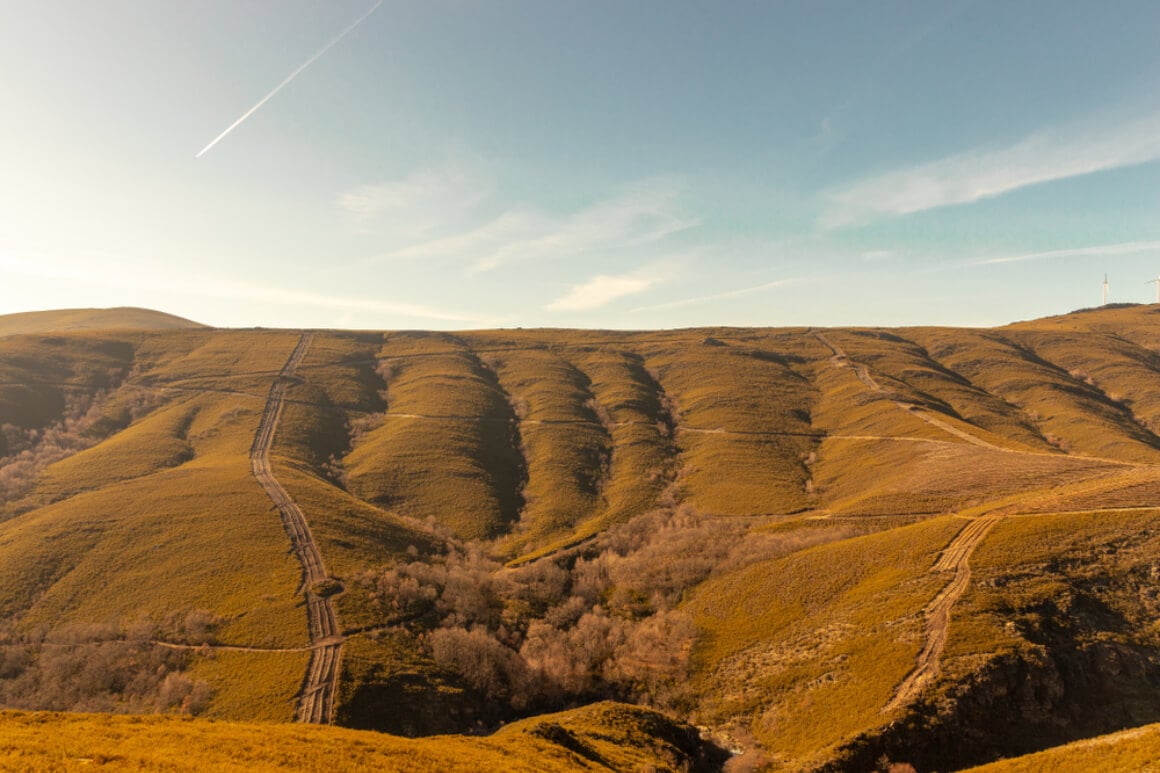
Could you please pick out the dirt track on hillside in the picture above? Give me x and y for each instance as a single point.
(955, 558)
(841, 360)
(316, 701)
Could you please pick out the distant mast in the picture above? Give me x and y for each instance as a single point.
(1156, 282)
(1105, 303)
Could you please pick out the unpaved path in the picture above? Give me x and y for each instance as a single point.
(316, 701)
(841, 360)
(169, 645)
(955, 558)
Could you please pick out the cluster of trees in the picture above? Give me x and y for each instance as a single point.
(93, 667)
(87, 418)
(602, 622)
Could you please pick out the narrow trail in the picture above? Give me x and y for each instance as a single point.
(316, 701)
(955, 558)
(841, 360)
(169, 645)
(684, 429)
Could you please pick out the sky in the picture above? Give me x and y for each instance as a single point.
(455, 164)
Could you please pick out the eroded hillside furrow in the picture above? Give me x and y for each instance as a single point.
(316, 701)
(741, 424)
(842, 360)
(1116, 372)
(1048, 378)
(565, 446)
(448, 447)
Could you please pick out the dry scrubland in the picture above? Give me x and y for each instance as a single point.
(838, 549)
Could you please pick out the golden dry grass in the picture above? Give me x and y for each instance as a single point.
(1129, 751)
(807, 649)
(124, 318)
(604, 736)
(882, 477)
(444, 449)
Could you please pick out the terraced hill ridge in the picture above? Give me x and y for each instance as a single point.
(829, 548)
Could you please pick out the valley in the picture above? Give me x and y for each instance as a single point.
(827, 549)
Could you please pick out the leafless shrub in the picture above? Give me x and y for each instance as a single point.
(601, 624)
(30, 450)
(488, 666)
(336, 471)
(95, 667)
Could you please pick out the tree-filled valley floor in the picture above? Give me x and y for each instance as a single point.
(766, 548)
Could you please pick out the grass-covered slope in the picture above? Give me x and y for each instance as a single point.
(826, 546)
(126, 318)
(602, 737)
(1129, 751)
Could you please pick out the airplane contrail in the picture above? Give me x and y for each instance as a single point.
(289, 78)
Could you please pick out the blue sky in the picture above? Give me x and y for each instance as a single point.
(456, 164)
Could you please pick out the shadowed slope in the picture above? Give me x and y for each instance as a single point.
(446, 447)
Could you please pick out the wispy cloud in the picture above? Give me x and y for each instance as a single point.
(286, 297)
(644, 214)
(717, 296)
(220, 288)
(286, 81)
(1100, 250)
(422, 202)
(980, 174)
(602, 290)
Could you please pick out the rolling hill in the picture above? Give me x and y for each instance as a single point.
(126, 318)
(831, 549)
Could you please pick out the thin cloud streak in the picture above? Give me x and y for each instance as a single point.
(716, 297)
(981, 174)
(290, 77)
(600, 291)
(421, 203)
(1123, 248)
(644, 214)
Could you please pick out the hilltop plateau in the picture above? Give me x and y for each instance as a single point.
(829, 549)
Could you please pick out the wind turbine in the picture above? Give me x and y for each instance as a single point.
(1156, 282)
(1105, 303)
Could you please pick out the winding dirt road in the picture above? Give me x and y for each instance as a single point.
(955, 558)
(316, 701)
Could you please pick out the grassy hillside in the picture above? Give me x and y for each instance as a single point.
(126, 318)
(1128, 751)
(601, 737)
(828, 547)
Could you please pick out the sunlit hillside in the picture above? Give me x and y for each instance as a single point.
(91, 319)
(828, 548)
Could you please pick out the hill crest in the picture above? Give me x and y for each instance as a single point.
(72, 320)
